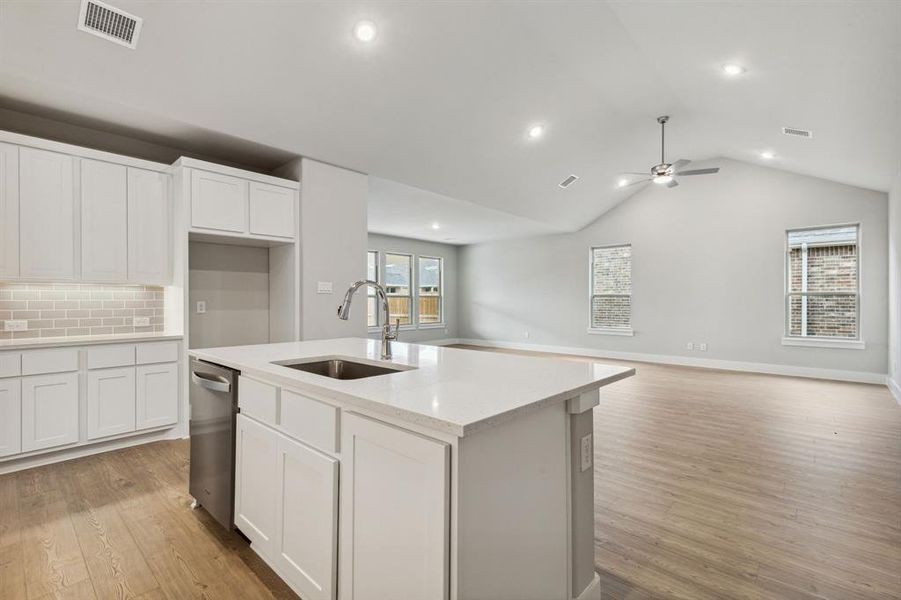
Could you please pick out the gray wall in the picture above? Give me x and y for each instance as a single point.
(895, 284)
(387, 243)
(234, 282)
(707, 267)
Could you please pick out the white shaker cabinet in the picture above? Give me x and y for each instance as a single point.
(394, 513)
(49, 411)
(271, 210)
(307, 530)
(10, 416)
(256, 485)
(157, 395)
(218, 202)
(9, 211)
(104, 221)
(149, 239)
(111, 402)
(46, 215)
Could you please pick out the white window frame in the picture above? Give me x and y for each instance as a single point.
(413, 290)
(623, 331)
(370, 292)
(855, 343)
(441, 321)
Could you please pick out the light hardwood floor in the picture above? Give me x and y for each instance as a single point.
(710, 485)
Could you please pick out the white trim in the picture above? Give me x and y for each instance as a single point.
(194, 163)
(428, 326)
(707, 363)
(611, 331)
(820, 342)
(894, 387)
(81, 152)
(593, 591)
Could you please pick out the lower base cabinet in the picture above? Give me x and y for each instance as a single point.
(111, 402)
(157, 395)
(10, 416)
(49, 411)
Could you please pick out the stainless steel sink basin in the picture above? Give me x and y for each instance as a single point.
(338, 368)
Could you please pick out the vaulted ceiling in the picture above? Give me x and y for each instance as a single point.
(442, 99)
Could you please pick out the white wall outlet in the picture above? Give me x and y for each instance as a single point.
(141, 321)
(323, 287)
(15, 325)
(689, 346)
(703, 347)
(201, 307)
(587, 452)
(525, 334)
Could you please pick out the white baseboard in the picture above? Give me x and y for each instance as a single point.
(707, 363)
(593, 591)
(894, 387)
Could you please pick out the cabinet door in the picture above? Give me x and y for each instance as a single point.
(271, 210)
(10, 416)
(46, 215)
(149, 259)
(307, 527)
(394, 513)
(9, 210)
(49, 411)
(218, 202)
(111, 402)
(104, 221)
(157, 395)
(256, 488)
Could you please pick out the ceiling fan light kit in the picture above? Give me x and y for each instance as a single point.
(666, 173)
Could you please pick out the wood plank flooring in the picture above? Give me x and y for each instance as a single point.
(710, 485)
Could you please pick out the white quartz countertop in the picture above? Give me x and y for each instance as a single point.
(86, 340)
(452, 390)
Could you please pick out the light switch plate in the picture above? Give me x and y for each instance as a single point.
(323, 287)
(703, 347)
(587, 452)
(141, 321)
(689, 346)
(15, 325)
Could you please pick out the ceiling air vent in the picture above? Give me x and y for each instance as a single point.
(109, 23)
(568, 181)
(804, 133)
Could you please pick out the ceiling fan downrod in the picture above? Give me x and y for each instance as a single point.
(662, 120)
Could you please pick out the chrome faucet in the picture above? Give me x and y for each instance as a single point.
(387, 335)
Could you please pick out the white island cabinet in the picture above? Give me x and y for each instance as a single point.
(457, 475)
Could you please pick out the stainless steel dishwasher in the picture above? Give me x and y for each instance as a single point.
(214, 403)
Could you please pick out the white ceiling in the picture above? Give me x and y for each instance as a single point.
(443, 97)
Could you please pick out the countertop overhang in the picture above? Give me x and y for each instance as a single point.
(452, 390)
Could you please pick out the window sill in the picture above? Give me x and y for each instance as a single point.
(611, 331)
(433, 326)
(814, 342)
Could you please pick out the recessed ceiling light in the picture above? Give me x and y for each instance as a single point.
(622, 183)
(662, 179)
(365, 31)
(767, 155)
(436, 225)
(733, 69)
(536, 131)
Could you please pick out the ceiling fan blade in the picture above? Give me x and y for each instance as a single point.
(672, 183)
(645, 174)
(698, 172)
(645, 180)
(679, 164)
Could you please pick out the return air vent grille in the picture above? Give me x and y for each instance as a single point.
(804, 133)
(110, 23)
(568, 181)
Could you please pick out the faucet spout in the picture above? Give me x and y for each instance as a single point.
(387, 335)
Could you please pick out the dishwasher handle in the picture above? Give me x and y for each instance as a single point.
(211, 382)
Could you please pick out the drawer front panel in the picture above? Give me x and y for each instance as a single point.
(102, 357)
(310, 421)
(158, 352)
(257, 400)
(49, 361)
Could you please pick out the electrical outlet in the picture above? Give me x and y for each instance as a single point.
(141, 322)
(323, 287)
(525, 334)
(587, 452)
(703, 347)
(15, 325)
(201, 307)
(689, 346)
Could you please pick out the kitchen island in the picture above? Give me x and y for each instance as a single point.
(454, 474)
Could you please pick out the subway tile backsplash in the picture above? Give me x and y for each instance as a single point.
(63, 309)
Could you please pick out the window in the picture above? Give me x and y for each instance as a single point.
(611, 289)
(372, 274)
(822, 288)
(430, 286)
(398, 275)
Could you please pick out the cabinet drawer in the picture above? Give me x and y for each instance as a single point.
(10, 364)
(102, 357)
(157, 353)
(257, 399)
(49, 361)
(310, 421)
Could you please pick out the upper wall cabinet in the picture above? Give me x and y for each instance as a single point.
(104, 221)
(149, 227)
(271, 210)
(218, 202)
(9, 211)
(46, 215)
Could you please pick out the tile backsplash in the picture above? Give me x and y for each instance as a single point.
(63, 309)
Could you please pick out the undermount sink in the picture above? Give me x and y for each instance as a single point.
(337, 368)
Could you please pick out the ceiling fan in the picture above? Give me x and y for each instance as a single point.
(666, 173)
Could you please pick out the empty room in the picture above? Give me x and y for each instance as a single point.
(450, 300)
